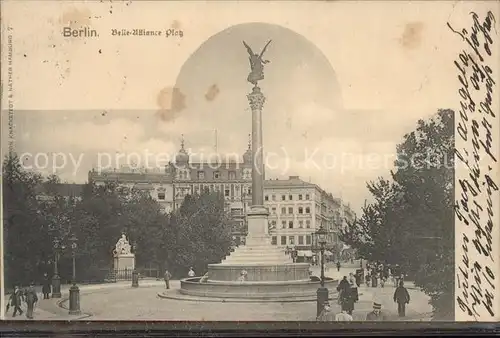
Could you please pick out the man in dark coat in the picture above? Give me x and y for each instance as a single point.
(31, 299)
(343, 289)
(346, 296)
(16, 299)
(402, 297)
(46, 286)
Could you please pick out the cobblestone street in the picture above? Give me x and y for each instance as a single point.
(119, 301)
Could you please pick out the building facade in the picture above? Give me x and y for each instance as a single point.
(296, 208)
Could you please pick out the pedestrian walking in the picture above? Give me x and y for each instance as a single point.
(46, 287)
(354, 287)
(344, 294)
(343, 316)
(191, 272)
(31, 299)
(338, 266)
(376, 314)
(368, 278)
(402, 297)
(326, 314)
(16, 299)
(167, 277)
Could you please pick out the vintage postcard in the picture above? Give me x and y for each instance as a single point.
(250, 161)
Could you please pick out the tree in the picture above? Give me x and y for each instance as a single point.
(200, 233)
(26, 243)
(411, 221)
(104, 213)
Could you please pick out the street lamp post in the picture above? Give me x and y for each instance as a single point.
(74, 291)
(322, 292)
(135, 274)
(56, 279)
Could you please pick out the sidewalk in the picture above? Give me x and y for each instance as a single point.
(418, 308)
(57, 308)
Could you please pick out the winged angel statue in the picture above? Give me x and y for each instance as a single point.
(256, 64)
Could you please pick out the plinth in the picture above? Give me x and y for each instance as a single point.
(124, 265)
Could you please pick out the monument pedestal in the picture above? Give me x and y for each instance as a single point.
(124, 265)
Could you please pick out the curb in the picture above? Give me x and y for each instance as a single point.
(61, 304)
(181, 297)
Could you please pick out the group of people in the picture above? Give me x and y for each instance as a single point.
(29, 296)
(348, 293)
(378, 274)
(167, 276)
(344, 316)
(19, 296)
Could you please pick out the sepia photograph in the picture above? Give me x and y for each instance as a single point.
(224, 161)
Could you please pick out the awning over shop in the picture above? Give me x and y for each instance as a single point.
(304, 253)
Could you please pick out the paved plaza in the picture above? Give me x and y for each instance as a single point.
(119, 301)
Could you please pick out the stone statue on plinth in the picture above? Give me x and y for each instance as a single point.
(122, 247)
(124, 259)
(256, 64)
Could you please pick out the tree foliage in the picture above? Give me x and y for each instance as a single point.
(196, 234)
(411, 221)
(26, 244)
(201, 233)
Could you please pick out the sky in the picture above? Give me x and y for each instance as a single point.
(345, 82)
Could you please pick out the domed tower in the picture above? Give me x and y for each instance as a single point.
(246, 173)
(247, 156)
(182, 157)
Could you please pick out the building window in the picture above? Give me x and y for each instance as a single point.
(307, 197)
(226, 192)
(201, 175)
(301, 210)
(161, 196)
(232, 175)
(300, 197)
(283, 224)
(290, 197)
(283, 210)
(274, 197)
(308, 210)
(250, 191)
(274, 240)
(290, 210)
(266, 198)
(216, 174)
(291, 240)
(290, 224)
(273, 223)
(308, 239)
(283, 240)
(283, 197)
(273, 210)
(301, 240)
(301, 224)
(308, 224)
